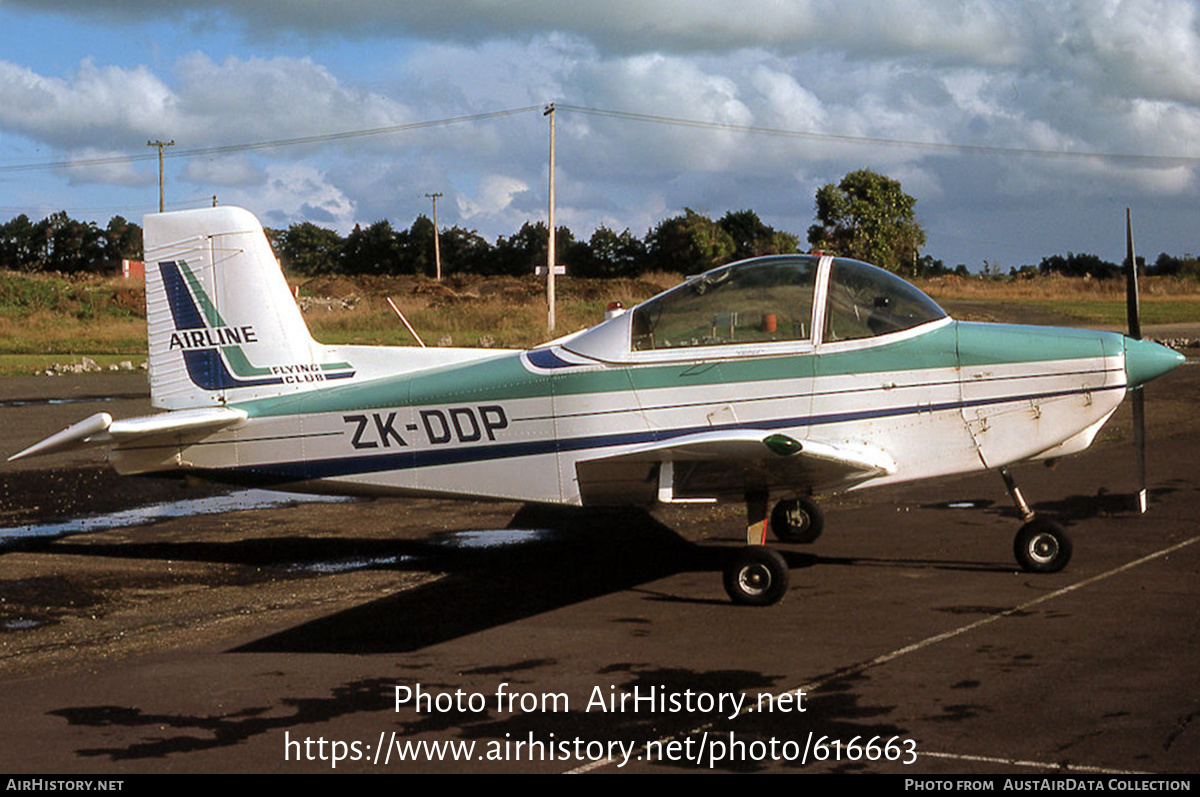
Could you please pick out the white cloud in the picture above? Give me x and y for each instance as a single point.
(296, 192)
(1168, 182)
(787, 103)
(237, 100)
(493, 197)
(1149, 48)
(973, 29)
(97, 107)
(267, 99)
(229, 171)
(106, 168)
(1077, 75)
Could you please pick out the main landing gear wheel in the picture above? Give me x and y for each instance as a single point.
(1042, 546)
(797, 520)
(756, 576)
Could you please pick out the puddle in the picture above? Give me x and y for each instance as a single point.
(140, 516)
(13, 536)
(20, 624)
(495, 539)
(463, 540)
(49, 402)
(349, 564)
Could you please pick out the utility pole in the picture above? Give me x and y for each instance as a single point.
(161, 145)
(437, 244)
(550, 258)
(550, 269)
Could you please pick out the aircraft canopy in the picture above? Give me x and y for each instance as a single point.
(771, 299)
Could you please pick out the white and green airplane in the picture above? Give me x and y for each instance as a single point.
(774, 378)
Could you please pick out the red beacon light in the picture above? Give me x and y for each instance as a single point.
(613, 310)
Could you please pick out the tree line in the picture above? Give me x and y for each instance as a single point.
(1092, 266)
(689, 243)
(62, 244)
(866, 216)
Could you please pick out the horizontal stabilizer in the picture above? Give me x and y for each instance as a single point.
(206, 419)
(101, 429)
(76, 435)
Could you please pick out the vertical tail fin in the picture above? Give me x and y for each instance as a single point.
(223, 325)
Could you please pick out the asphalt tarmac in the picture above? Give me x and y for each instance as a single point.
(282, 639)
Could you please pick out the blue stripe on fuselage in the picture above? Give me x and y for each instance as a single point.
(347, 466)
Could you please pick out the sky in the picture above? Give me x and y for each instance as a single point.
(1023, 129)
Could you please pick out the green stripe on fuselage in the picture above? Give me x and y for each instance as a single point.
(996, 344)
(505, 377)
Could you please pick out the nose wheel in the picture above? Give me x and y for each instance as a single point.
(1042, 546)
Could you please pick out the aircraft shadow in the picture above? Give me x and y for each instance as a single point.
(1068, 509)
(548, 558)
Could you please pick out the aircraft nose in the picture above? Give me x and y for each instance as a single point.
(1145, 360)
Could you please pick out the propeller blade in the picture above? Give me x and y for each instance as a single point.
(1133, 315)
(1133, 310)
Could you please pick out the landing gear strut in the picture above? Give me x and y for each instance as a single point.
(1041, 546)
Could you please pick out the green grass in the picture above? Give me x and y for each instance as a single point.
(50, 319)
(23, 296)
(44, 333)
(1110, 312)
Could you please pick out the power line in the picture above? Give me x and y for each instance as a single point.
(352, 134)
(629, 116)
(227, 149)
(100, 210)
(932, 146)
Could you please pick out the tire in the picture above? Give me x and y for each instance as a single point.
(1042, 546)
(756, 576)
(797, 520)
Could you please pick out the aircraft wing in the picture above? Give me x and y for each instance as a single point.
(101, 429)
(718, 464)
